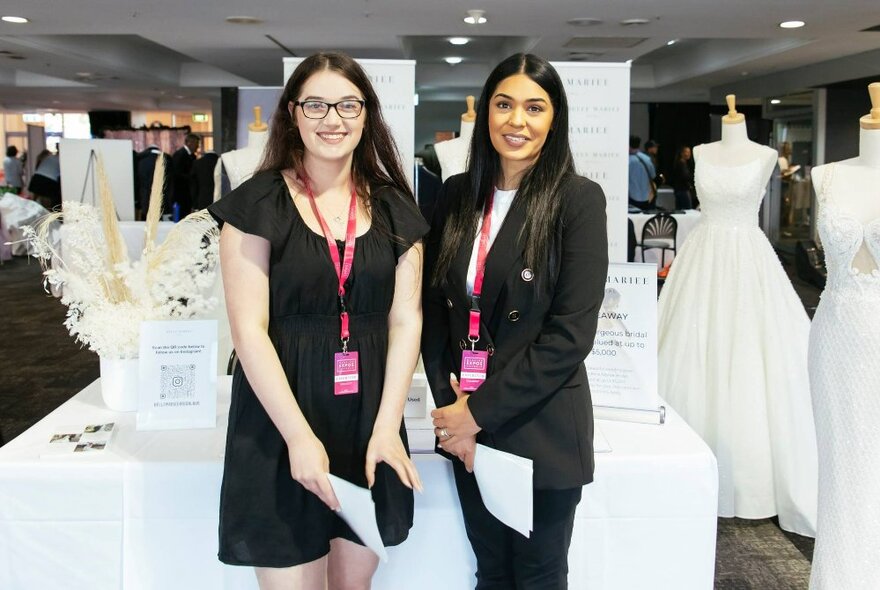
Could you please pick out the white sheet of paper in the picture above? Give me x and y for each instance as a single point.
(505, 483)
(359, 512)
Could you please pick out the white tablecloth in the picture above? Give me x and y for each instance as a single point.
(686, 222)
(144, 515)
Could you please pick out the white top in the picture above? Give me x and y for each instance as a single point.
(501, 202)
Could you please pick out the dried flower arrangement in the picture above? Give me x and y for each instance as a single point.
(106, 294)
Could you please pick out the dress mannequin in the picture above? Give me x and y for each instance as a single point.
(845, 366)
(453, 154)
(240, 164)
(733, 338)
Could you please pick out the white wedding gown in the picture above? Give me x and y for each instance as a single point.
(733, 338)
(845, 377)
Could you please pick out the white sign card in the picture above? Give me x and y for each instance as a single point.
(178, 375)
(623, 364)
(598, 129)
(79, 179)
(394, 81)
(417, 397)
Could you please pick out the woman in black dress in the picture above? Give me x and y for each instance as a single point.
(682, 179)
(327, 337)
(520, 318)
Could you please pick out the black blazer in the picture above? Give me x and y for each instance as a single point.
(535, 402)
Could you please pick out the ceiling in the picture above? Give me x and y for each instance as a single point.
(175, 55)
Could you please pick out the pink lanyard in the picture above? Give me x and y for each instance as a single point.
(343, 268)
(482, 252)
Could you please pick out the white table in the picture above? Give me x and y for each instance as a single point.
(686, 223)
(144, 515)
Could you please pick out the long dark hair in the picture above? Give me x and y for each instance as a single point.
(376, 160)
(539, 188)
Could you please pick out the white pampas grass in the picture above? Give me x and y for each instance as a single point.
(106, 294)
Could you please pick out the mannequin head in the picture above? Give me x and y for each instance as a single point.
(373, 150)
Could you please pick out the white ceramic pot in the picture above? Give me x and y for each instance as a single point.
(119, 384)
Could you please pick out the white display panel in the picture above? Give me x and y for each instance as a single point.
(598, 126)
(79, 180)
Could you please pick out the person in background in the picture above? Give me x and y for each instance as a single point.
(641, 176)
(202, 185)
(521, 217)
(682, 179)
(182, 164)
(45, 184)
(651, 148)
(12, 170)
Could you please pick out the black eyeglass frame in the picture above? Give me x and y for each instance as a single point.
(300, 103)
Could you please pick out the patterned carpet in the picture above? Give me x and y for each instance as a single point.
(42, 367)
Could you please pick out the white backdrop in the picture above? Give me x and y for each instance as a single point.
(598, 120)
(394, 81)
(73, 155)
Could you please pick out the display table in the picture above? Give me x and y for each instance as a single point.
(686, 222)
(144, 515)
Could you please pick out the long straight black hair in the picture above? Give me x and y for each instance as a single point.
(539, 188)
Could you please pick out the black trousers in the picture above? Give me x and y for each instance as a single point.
(505, 559)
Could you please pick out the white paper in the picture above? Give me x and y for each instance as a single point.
(79, 440)
(178, 375)
(357, 509)
(505, 483)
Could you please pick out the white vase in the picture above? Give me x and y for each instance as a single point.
(119, 384)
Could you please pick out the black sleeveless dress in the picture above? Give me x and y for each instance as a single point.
(266, 518)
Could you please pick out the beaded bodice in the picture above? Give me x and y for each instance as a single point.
(730, 195)
(842, 237)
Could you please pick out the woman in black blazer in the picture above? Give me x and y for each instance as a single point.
(538, 307)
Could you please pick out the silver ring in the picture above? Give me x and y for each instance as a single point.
(444, 433)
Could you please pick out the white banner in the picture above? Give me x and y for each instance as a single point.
(394, 81)
(598, 123)
(623, 364)
(79, 179)
(178, 375)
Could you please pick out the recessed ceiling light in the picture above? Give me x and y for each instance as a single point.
(775, 101)
(672, 42)
(459, 40)
(452, 60)
(19, 20)
(634, 22)
(243, 20)
(792, 24)
(743, 73)
(584, 22)
(475, 17)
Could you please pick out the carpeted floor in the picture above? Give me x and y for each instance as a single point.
(41, 367)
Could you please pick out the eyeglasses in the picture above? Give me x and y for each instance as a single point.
(318, 109)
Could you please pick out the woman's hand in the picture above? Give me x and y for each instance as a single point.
(386, 447)
(455, 420)
(462, 447)
(309, 465)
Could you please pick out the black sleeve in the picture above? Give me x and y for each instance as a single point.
(566, 337)
(436, 348)
(261, 206)
(406, 224)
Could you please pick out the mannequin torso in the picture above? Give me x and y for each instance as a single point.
(853, 188)
(453, 154)
(735, 149)
(240, 164)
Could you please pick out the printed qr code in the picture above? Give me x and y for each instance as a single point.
(178, 382)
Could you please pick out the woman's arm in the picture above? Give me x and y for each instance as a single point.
(244, 260)
(404, 331)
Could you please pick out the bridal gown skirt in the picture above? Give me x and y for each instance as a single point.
(733, 340)
(845, 375)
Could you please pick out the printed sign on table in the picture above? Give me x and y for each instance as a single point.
(178, 375)
(623, 364)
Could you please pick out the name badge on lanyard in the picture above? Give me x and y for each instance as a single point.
(475, 363)
(346, 363)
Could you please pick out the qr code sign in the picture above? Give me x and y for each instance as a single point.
(178, 382)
